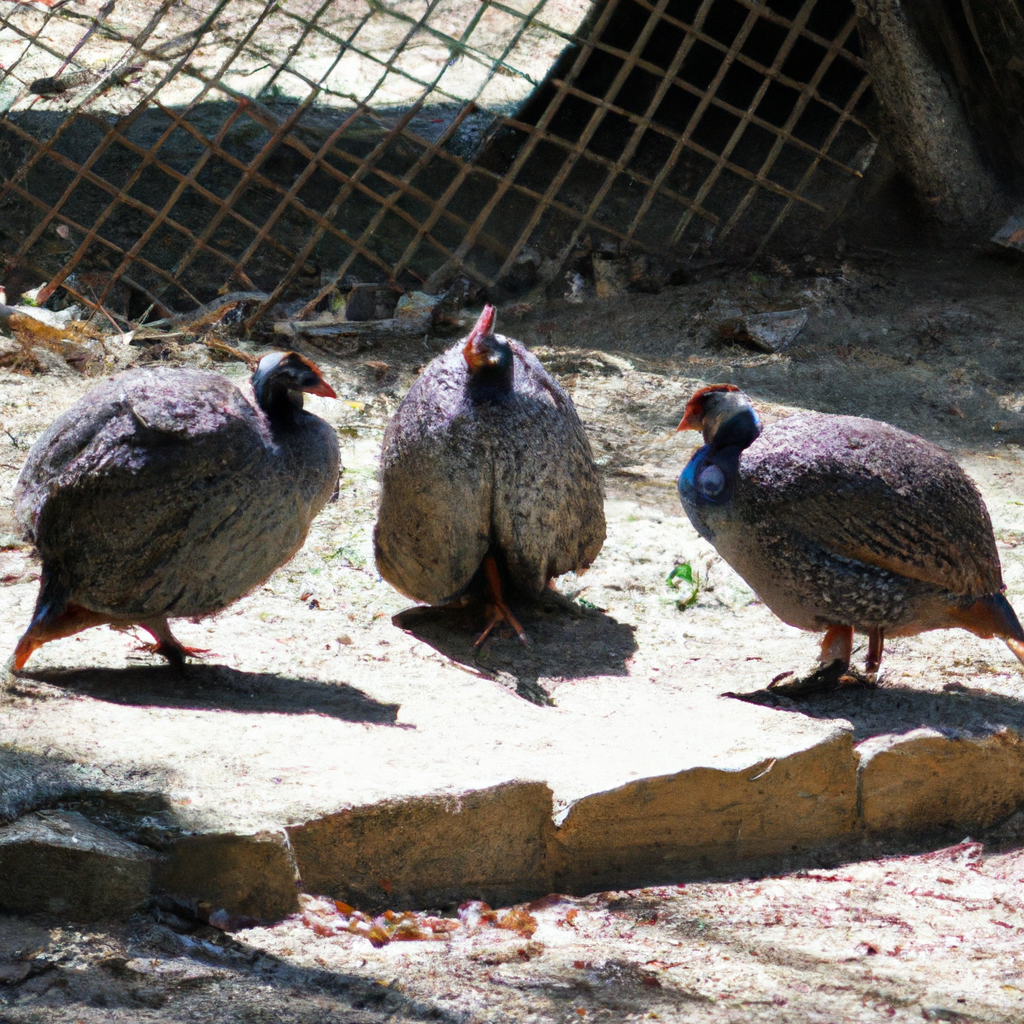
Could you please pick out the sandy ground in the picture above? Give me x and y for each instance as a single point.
(934, 937)
(932, 349)
(931, 344)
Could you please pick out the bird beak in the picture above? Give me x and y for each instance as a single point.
(693, 418)
(485, 325)
(322, 388)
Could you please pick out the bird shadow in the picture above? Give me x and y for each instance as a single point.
(565, 642)
(219, 688)
(956, 711)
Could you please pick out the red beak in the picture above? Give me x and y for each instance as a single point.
(485, 325)
(693, 417)
(691, 420)
(323, 388)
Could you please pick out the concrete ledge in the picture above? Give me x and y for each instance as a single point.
(490, 844)
(501, 844)
(59, 862)
(251, 875)
(705, 819)
(925, 780)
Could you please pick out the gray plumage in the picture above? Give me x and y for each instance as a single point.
(839, 521)
(469, 468)
(171, 492)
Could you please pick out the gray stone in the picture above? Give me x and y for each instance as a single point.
(252, 875)
(490, 844)
(59, 862)
(1011, 234)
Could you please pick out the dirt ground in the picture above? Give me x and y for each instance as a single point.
(930, 343)
(934, 937)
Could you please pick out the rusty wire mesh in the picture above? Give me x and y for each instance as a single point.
(160, 154)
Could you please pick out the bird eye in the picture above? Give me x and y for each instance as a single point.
(711, 482)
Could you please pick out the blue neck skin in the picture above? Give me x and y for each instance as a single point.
(710, 475)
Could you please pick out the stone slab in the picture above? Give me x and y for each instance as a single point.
(705, 820)
(59, 862)
(459, 792)
(437, 851)
(925, 780)
(251, 875)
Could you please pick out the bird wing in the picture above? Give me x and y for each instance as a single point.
(870, 492)
(433, 524)
(548, 514)
(132, 493)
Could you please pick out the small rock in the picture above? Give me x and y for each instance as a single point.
(766, 332)
(611, 277)
(13, 974)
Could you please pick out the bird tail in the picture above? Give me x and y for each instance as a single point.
(1016, 646)
(55, 616)
(992, 615)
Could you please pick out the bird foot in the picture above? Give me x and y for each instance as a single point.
(825, 679)
(174, 653)
(500, 612)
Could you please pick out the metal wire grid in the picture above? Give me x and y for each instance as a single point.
(451, 214)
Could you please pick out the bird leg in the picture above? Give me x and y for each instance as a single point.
(837, 645)
(495, 604)
(876, 641)
(168, 645)
(46, 626)
(834, 670)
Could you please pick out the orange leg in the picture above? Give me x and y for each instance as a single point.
(837, 645)
(496, 604)
(168, 645)
(876, 641)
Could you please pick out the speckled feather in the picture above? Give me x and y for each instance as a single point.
(167, 492)
(848, 521)
(462, 472)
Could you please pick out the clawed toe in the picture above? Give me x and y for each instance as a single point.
(502, 613)
(825, 679)
(173, 651)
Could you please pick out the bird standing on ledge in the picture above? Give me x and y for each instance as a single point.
(486, 477)
(840, 523)
(171, 492)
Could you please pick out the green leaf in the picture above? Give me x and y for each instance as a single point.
(684, 574)
(681, 572)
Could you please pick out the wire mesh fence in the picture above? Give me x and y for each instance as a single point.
(158, 155)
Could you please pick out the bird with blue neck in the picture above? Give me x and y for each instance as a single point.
(842, 524)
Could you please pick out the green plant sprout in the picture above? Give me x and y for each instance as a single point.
(684, 574)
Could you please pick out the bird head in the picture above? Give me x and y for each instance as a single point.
(723, 415)
(488, 357)
(282, 377)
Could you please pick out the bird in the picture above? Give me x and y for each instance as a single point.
(168, 493)
(844, 524)
(487, 478)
